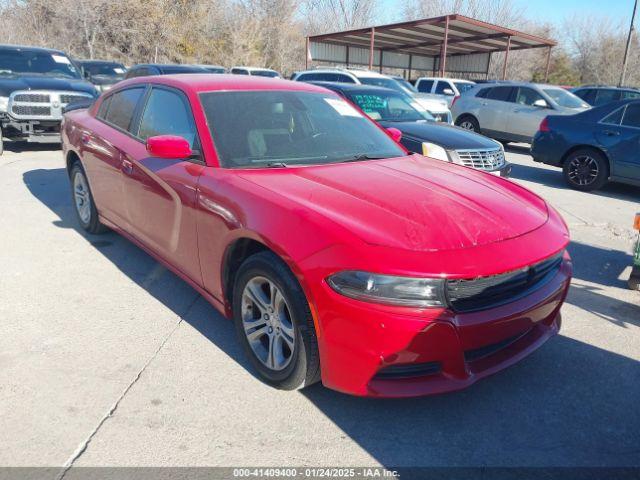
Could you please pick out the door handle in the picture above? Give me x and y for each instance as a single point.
(611, 133)
(127, 166)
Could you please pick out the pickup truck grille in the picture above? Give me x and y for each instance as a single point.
(41, 105)
(488, 160)
(488, 292)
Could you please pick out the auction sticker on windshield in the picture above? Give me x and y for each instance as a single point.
(61, 59)
(343, 108)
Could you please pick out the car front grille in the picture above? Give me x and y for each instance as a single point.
(488, 292)
(30, 110)
(488, 159)
(32, 98)
(42, 105)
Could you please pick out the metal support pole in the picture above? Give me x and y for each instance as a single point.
(371, 45)
(443, 53)
(486, 74)
(626, 50)
(347, 62)
(380, 69)
(306, 53)
(546, 70)
(410, 65)
(506, 59)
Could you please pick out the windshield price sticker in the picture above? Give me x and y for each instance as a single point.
(343, 108)
(61, 59)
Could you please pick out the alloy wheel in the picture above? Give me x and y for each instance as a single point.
(267, 323)
(82, 197)
(583, 170)
(467, 125)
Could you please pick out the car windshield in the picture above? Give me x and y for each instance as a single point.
(464, 86)
(110, 69)
(564, 98)
(383, 82)
(265, 73)
(37, 62)
(391, 107)
(406, 86)
(257, 129)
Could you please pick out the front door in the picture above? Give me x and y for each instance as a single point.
(161, 193)
(523, 117)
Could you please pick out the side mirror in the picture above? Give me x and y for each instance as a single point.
(448, 91)
(169, 146)
(541, 103)
(395, 134)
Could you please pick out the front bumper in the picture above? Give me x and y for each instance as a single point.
(504, 171)
(361, 343)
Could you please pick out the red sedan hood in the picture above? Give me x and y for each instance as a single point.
(411, 202)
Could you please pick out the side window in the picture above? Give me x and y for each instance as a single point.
(614, 118)
(166, 113)
(605, 95)
(104, 107)
(239, 71)
(424, 86)
(483, 93)
(122, 107)
(527, 96)
(442, 86)
(629, 94)
(500, 93)
(307, 77)
(632, 116)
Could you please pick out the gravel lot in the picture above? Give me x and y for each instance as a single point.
(106, 358)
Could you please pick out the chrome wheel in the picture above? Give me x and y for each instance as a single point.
(82, 197)
(467, 125)
(583, 170)
(267, 323)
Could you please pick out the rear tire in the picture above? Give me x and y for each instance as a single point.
(1, 142)
(468, 123)
(274, 323)
(83, 202)
(586, 169)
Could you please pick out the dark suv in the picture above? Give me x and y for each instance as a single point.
(36, 84)
(596, 95)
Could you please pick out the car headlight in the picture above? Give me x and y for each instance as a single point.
(4, 104)
(389, 289)
(434, 151)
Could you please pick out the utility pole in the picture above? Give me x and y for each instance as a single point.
(626, 50)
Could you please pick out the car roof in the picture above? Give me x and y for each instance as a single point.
(605, 87)
(463, 80)
(31, 49)
(255, 68)
(197, 83)
(354, 87)
(95, 62)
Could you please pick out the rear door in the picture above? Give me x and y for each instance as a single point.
(161, 193)
(493, 108)
(523, 117)
(102, 147)
(620, 134)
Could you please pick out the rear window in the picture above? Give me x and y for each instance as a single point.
(463, 86)
(606, 95)
(122, 107)
(614, 118)
(629, 94)
(632, 116)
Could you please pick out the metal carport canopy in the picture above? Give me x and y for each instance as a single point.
(428, 44)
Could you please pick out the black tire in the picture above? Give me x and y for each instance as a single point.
(1, 143)
(92, 223)
(468, 122)
(303, 368)
(634, 279)
(586, 169)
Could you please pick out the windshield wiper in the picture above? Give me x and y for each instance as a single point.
(362, 156)
(277, 165)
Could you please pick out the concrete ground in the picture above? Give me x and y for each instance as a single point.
(106, 358)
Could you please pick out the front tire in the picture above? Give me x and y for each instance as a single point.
(586, 170)
(83, 202)
(468, 123)
(274, 323)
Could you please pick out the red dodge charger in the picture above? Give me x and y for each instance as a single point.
(340, 256)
